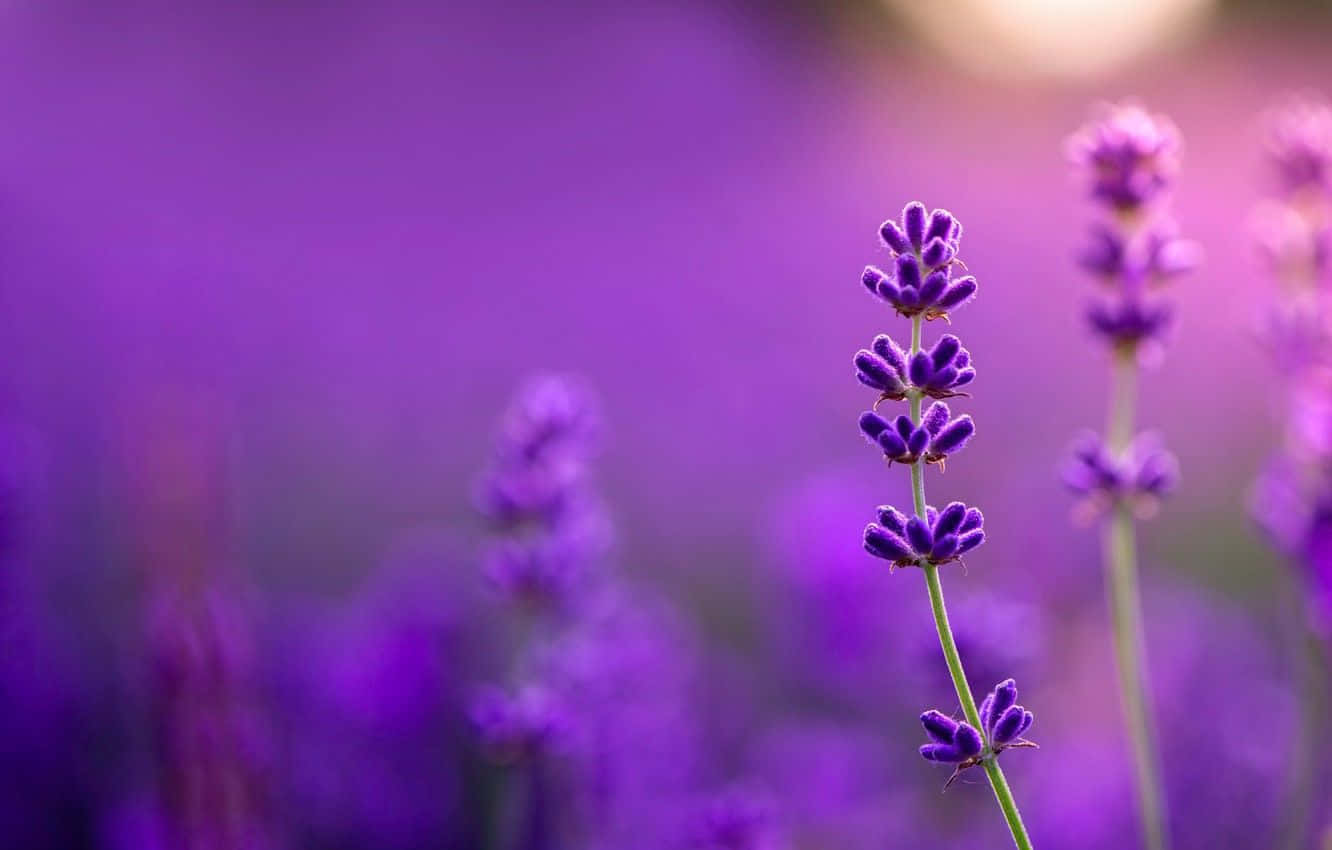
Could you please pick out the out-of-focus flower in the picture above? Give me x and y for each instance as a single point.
(1299, 143)
(933, 440)
(1131, 323)
(518, 726)
(1140, 476)
(941, 537)
(1129, 156)
(738, 819)
(924, 247)
(1156, 256)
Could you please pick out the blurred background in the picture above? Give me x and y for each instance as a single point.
(272, 273)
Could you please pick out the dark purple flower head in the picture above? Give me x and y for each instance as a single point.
(545, 440)
(1141, 476)
(924, 246)
(519, 726)
(1299, 142)
(1129, 155)
(1155, 255)
(1294, 245)
(934, 439)
(1005, 721)
(1130, 323)
(738, 819)
(951, 741)
(937, 372)
(958, 742)
(941, 537)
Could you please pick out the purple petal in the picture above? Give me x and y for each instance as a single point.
(935, 417)
(872, 424)
(973, 520)
(893, 446)
(939, 726)
(1005, 696)
(954, 436)
(892, 519)
(941, 225)
(1007, 726)
(882, 543)
(970, 540)
(894, 238)
(968, 741)
(962, 289)
(944, 547)
(936, 253)
(908, 271)
(920, 369)
(890, 351)
(913, 219)
(871, 278)
(918, 535)
(919, 441)
(950, 518)
(946, 753)
(945, 349)
(933, 287)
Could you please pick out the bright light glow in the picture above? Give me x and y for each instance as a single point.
(1064, 38)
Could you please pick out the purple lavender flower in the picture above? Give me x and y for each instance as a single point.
(1299, 143)
(1156, 256)
(1141, 476)
(1004, 719)
(545, 440)
(1129, 155)
(959, 743)
(738, 819)
(937, 372)
(933, 440)
(519, 726)
(941, 537)
(1128, 324)
(924, 247)
(951, 741)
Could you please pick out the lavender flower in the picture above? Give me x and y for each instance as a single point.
(1128, 155)
(958, 742)
(924, 247)
(1004, 719)
(933, 440)
(1159, 255)
(1299, 143)
(739, 819)
(942, 537)
(520, 726)
(937, 372)
(1140, 476)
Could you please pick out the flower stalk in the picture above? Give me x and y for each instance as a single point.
(924, 248)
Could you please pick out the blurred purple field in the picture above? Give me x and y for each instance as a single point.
(280, 566)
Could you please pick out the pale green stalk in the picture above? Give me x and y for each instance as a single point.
(1002, 793)
(1126, 617)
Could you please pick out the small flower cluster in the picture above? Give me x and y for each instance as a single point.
(1292, 500)
(958, 742)
(936, 437)
(1140, 476)
(1299, 144)
(517, 726)
(936, 373)
(939, 538)
(1130, 158)
(924, 246)
(536, 495)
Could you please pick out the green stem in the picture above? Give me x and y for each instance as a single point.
(1126, 619)
(1002, 793)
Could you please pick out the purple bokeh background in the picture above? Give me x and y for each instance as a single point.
(271, 271)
